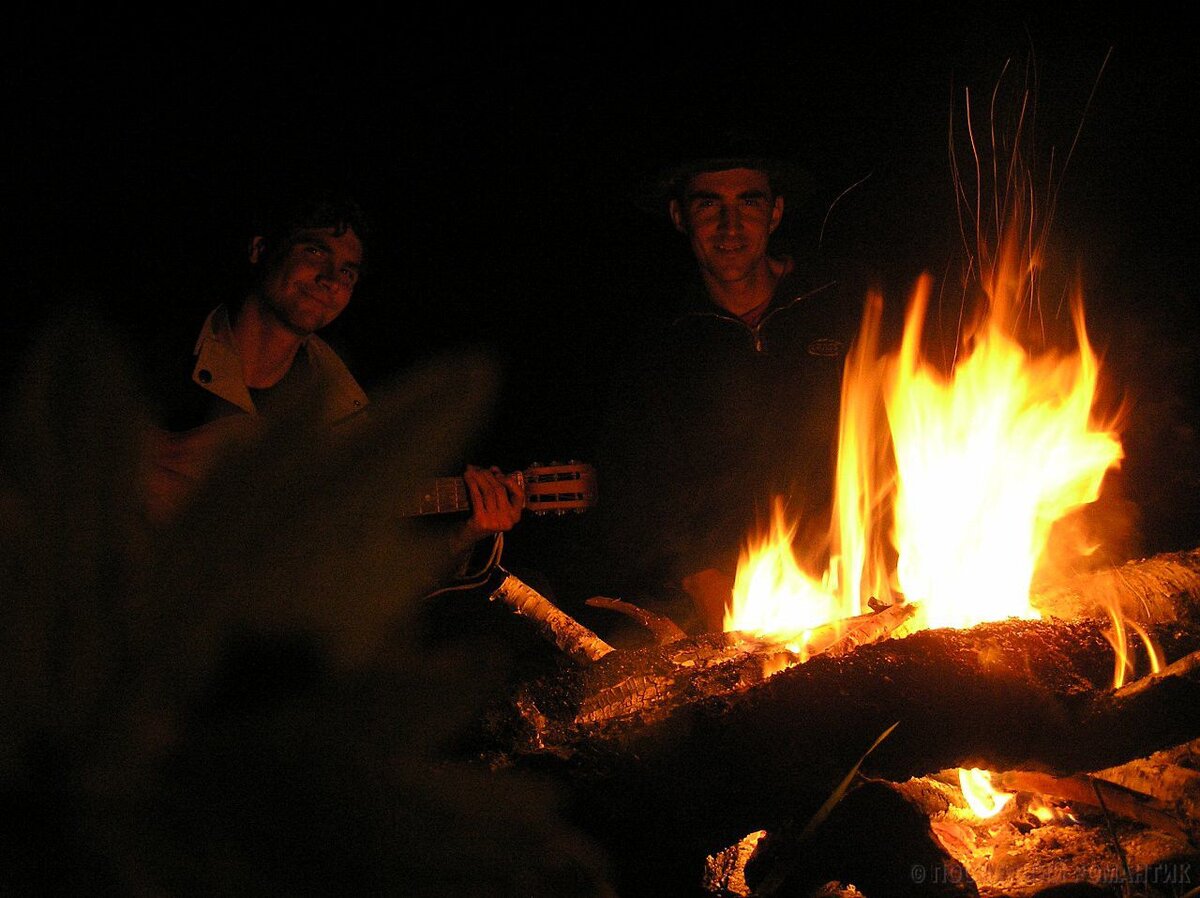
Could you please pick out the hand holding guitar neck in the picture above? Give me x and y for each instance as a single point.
(541, 489)
(548, 489)
(496, 500)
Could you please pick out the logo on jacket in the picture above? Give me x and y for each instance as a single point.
(827, 347)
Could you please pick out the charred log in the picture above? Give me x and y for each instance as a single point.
(1099, 793)
(876, 838)
(694, 744)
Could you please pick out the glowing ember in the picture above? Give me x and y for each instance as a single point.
(977, 789)
(1043, 812)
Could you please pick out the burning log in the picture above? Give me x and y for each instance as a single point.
(908, 861)
(649, 684)
(1169, 777)
(1099, 793)
(1162, 588)
(694, 744)
(663, 629)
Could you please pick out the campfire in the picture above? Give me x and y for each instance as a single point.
(944, 699)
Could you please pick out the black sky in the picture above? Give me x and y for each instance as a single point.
(494, 150)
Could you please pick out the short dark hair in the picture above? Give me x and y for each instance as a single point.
(280, 220)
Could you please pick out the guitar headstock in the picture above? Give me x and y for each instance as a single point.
(558, 488)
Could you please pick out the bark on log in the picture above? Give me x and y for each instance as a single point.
(1162, 588)
(1015, 695)
(1097, 792)
(579, 643)
(1172, 777)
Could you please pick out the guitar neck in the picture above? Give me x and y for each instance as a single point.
(443, 495)
(549, 489)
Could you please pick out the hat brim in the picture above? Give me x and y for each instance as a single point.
(653, 194)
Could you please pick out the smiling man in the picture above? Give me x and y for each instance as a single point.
(259, 357)
(729, 216)
(735, 401)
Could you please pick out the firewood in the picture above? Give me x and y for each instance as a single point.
(875, 838)
(650, 683)
(1167, 776)
(699, 746)
(577, 641)
(1162, 588)
(1015, 695)
(1096, 792)
(1185, 666)
(662, 628)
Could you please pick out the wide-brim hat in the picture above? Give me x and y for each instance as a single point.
(720, 152)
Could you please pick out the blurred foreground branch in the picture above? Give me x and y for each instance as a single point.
(240, 702)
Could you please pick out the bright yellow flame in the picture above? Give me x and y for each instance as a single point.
(1042, 812)
(977, 789)
(776, 597)
(1047, 814)
(987, 461)
(946, 485)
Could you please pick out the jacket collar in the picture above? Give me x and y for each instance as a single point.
(790, 290)
(218, 370)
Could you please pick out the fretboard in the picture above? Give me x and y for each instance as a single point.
(444, 495)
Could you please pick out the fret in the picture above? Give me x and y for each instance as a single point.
(548, 489)
(452, 494)
(443, 495)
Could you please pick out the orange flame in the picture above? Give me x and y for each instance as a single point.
(777, 597)
(947, 485)
(987, 462)
(979, 793)
(1119, 640)
(971, 470)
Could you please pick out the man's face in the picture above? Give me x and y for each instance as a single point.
(728, 216)
(308, 283)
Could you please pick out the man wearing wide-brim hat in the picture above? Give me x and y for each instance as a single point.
(736, 402)
(729, 205)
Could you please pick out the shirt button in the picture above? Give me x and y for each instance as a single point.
(205, 376)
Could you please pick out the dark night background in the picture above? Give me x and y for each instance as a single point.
(495, 151)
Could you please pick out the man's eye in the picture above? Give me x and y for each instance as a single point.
(314, 250)
(351, 275)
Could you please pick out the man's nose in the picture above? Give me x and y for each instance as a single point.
(331, 278)
(731, 218)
